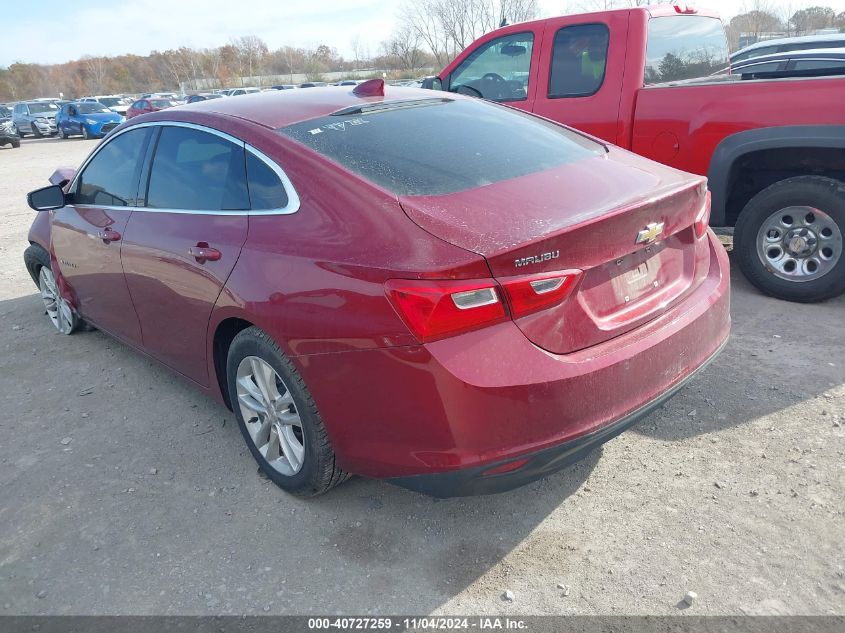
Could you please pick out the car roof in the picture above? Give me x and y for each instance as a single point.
(280, 108)
(792, 40)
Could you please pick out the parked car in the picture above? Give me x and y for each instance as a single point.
(313, 84)
(5, 111)
(446, 319)
(804, 63)
(35, 117)
(771, 148)
(171, 96)
(8, 132)
(117, 103)
(204, 97)
(90, 119)
(347, 82)
(237, 92)
(283, 87)
(788, 44)
(142, 106)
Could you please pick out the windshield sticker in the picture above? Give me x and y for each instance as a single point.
(340, 126)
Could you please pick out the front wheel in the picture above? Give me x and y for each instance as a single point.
(61, 315)
(62, 133)
(36, 132)
(85, 134)
(789, 239)
(278, 417)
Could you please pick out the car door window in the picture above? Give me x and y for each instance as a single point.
(498, 70)
(579, 60)
(266, 190)
(111, 177)
(196, 170)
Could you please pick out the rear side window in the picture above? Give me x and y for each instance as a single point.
(199, 171)
(685, 47)
(111, 177)
(265, 188)
(819, 64)
(579, 60)
(439, 146)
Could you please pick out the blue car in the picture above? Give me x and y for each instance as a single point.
(91, 119)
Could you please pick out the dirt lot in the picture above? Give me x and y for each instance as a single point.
(735, 490)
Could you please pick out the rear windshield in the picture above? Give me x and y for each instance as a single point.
(685, 47)
(440, 146)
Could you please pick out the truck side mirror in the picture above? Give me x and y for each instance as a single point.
(46, 198)
(432, 83)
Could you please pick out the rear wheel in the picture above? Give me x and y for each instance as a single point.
(789, 239)
(278, 417)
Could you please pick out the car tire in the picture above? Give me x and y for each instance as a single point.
(60, 313)
(62, 134)
(16, 144)
(288, 440)
(789, 239)
(85, 133)
(36, 132)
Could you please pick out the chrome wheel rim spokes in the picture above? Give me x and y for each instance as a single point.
(799, 243)
(270, 415)
(57, 308)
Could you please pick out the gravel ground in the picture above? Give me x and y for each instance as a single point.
(124, 491)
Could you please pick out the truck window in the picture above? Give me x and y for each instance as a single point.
(685, 47)
(497, 70)
(579, 60)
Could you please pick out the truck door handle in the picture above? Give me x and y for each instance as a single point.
(202, 252)
(108, 235)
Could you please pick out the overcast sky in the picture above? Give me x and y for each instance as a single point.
(58, 30)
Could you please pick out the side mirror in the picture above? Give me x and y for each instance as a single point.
(46, 198)
(432, 83)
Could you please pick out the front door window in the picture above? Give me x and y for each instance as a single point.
(497, 70)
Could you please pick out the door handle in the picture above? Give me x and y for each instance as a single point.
(108, 235)
(202, 252)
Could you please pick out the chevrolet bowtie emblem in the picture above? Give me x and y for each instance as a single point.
(650, 233)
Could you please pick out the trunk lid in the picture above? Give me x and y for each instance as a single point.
(586, 215)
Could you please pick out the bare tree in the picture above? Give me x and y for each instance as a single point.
(446, 27)
(95, 68)
(404, 45)
(251, 53)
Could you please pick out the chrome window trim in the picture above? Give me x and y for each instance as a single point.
(293, 198)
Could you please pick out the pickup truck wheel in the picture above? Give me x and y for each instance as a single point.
(789, 239)
(278, 417)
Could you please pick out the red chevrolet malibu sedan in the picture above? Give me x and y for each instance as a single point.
(443, 292)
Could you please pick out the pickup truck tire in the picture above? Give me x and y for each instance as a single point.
(789, 239)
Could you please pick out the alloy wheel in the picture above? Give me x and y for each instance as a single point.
(270, 415)
(57, 308)
(799, 243)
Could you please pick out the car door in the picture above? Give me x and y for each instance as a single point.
(180, 248)
(581, 71)
(86, 234)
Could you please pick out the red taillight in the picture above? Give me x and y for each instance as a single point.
(702, 220)
(685, 9)
(530, 293)
(435, 309)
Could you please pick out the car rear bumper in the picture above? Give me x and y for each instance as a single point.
(512, 473)
(437, 417)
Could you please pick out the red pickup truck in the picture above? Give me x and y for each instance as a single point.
(655, 80)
